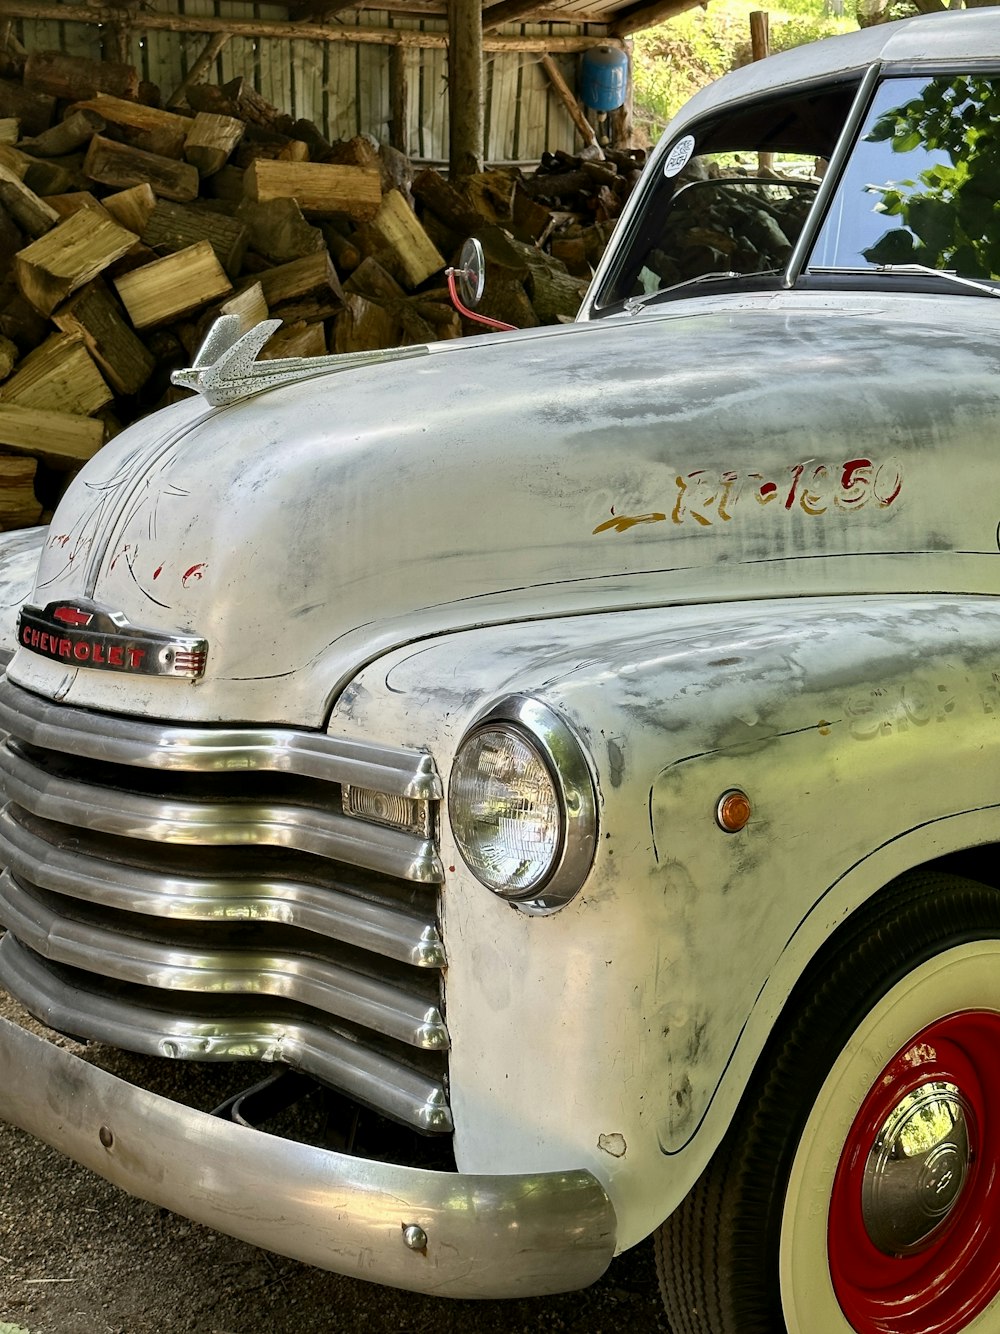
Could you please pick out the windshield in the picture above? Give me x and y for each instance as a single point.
(923, 182)
(731, 195)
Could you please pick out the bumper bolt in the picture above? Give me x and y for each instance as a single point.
(106, 1137)
(415, 1237)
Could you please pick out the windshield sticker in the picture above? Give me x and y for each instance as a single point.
(704, 499)
(679, 156)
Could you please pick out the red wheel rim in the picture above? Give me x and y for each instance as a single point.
(952, 1274)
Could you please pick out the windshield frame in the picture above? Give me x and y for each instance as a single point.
(645, 200)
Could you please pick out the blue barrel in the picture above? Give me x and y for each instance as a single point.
(604, 78)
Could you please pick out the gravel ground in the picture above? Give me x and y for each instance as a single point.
(77, 1256)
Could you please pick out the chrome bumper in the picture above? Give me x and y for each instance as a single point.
(442, 1233)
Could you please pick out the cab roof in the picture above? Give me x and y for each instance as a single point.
(970, 38)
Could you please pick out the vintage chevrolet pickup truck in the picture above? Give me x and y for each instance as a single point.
(576, 751)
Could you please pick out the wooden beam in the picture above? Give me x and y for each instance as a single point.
(507, 11)
(565, 95)
(437, 9)
(466, 121)
(200, 68)
(319, 11)
(256, 28)
(645, 15)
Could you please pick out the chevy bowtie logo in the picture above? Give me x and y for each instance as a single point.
(104, 640)
(72, 616)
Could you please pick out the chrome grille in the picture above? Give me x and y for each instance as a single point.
(204, 893)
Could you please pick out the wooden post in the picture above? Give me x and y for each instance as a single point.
(398, 91)
(760, 46)
(466, 122)
(200, 68)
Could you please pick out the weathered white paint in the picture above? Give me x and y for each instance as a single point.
(741, 541)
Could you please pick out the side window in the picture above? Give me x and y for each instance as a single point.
(923, 183)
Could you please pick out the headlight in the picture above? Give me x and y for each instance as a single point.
(521, 803)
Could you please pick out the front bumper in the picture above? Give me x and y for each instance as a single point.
(486, 1236)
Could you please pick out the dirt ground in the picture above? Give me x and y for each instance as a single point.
(77, 1256)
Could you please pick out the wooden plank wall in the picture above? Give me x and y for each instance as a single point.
(346, 89)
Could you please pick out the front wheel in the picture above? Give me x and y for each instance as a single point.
(858, 1188)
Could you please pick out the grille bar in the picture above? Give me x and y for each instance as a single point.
(395, 932)
(320, 983)
(406, 773)
(126, 1020)
(130, 815)
(205, 893)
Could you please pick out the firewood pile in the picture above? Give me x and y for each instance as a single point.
(126, 228)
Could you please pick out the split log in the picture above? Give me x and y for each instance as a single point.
(12, 239)
(14, 160)
(61, 439)
(19, 320)
(59, 376)
(123, 166)
(398, 227)
(210, 140)
(73, 78)
(249, 305)
(95, 315)
(371, 280)
(30, 213)
(68, 256)
(47, 176)
(318, 187)
(160, 292)
(364, 326)
(172, 227)
(8, 357)
(78, 128)
(278, 230)
(296, 340)
(443, 200)
(10, 130)
(19, 506)
(345, 254)
(306, 289)
(236, 98)
(146, 128)
(132, 208)
(442, 317)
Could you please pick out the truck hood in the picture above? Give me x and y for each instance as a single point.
(725, 448)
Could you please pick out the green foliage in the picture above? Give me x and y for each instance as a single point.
(672, 61)
(951, 222)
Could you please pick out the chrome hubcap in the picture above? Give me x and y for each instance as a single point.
(916, 1169)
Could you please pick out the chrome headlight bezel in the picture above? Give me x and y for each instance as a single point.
(557, 746)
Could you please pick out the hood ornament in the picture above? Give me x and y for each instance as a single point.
(226, 368)
(80, 633)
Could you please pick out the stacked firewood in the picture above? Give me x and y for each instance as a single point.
(126, 228)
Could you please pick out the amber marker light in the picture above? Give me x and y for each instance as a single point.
(733, 811)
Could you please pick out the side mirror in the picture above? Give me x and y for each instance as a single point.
(471, 273)
(467, 282)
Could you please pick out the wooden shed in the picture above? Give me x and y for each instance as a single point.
(457, 82)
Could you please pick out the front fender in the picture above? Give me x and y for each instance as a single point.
(854, 725)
